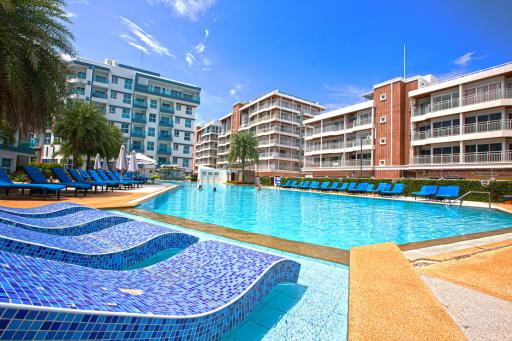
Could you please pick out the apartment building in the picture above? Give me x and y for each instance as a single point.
(462, 126)
(155, 114)
(205, 146)
(17, 154)
(229, 124)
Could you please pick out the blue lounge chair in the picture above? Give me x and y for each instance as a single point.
(45, 211)
(298, 185)
(84, 174)
(7, 184)
(285, 184)
(139, 180)
(447, 192)
(351, 186)
(64, 179)
(202, 292)
(397, 190)
(343, 187)
(427, 191)
(361, 187)
(109, 175)
(291, 185)
(314, 185)
(305, 185)
(126, 177)
(109, 183)
(75, 174)
(369, 188)
(325, 186)
(333, 187)
(381, 187)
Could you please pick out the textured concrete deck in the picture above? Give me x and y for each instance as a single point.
(105, 200)
(388, 301)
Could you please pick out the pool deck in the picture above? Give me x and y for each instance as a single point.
(101, 200)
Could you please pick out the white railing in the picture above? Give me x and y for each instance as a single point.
(473, 128)
(337, 126)
(359, 122)
(466, 100)
(471, 158)
(338, 163)
(280, 155)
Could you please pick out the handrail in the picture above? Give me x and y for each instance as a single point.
(467, 193)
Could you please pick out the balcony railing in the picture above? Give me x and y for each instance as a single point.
(469, 158)
(337, 163)
(359, 122)
(99, 94)
(279, 155)
(466, 100)
(140, 104)
(473, 128)
(138, 149)
(164, 151)
(164, 137)
(167, 109)
(100, 79)
(139, 119)
(337, 126)
(138, 133)
(168, 94)
(166, 123)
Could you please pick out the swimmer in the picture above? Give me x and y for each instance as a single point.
(200, 188)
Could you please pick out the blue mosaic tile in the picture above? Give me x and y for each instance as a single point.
(46, 211)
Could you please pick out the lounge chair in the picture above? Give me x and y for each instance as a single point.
(381, 187)
(291, 185)
(285, 184)
(36, 176)
(397, 190)
(84, 174)
(109, 183)
(427, 191)
(351, 186)
(46, 211)
(333, 187)
(117, 176)
(75, 174)
(203, 292)
(447, 192)
(131, 177)
(343, 187)
(361, 187)
(64, 179)
(305, 185)
(369, 188)
(297, 185)
(314, 185)
(325, 186)
(108, 175)
(7, 184)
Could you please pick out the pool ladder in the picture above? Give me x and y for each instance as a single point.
(467, 193)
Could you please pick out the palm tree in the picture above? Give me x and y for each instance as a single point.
(244, 148)
(85, 131)
(33, 36)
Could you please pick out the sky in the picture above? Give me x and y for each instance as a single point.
(330, 52)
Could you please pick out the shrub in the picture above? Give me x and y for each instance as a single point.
(46, 168)
(267, 181)
(192, 177)
(239, 183)
(154, 177)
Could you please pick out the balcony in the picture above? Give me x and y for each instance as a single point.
(138, 133)
(164, 137)
(100, 79)
(166, 123)
(279, 155)
(140, 104)
(139, 119)
(338, 163)
(359, 122)
(464, 101)
(99, 94)
(137, 148)
(167, 109)
(165, 151)
(474, 128)
(466, 158)
(171, 94)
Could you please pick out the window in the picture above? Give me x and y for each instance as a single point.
(382, 162)
(150, 145)
(382, 97)
(178, 106)
(111, 109)
(127, 98)
(153, 104)
(56, 139)
(128, 84)
(162, 160)
(152, 117)
(382, 141)
(185, 163)
(125, 128)
(382, 119)
(113, 94)
(175, 160)
(151, 131)
(47, 138)
(126, 113)
(175, 146)
(188, 123)
(176, 133)
(189, 110)
(186, 150)
(115, 80)
(177, 120)
(187, 136)
(6, 165)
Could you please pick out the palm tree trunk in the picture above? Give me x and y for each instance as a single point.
(87, 161)
(243, 169)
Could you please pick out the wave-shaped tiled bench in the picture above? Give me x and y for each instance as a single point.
(199, 294)
(46, 211)
(73, 224)
(118, 247)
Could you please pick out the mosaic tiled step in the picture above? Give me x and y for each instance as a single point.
(73, 224)
(46, 211)
(115, 248)
(199, 294)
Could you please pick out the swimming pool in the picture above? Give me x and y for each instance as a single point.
(330, 220)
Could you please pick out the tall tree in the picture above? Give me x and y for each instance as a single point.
(244, 149)
(33, 36)
(85, 131)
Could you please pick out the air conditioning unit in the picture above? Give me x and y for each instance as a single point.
(382, 97)
(382, 119)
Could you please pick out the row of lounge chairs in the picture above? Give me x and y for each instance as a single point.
(383, 189)
(78, 179)
(438, 192)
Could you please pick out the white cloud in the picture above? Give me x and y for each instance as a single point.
(200, 48)
(191, 9)
(341, 95)
(190, 59)
(70, 14)
(142, 40)
(236, 89)
(206, 33)
(467, 58)
(79, 2)
(65, 56)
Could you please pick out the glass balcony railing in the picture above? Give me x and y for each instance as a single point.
(167, 109)
(140, 104)
(164, 137)
(166, 93)
(166, 123)
(138, 133)
(164, 151)
(100, 79)
(139, 119)
(99, 94)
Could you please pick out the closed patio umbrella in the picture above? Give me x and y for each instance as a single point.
(104, 164)
(132, 164)
(122, 161)
(97, 162)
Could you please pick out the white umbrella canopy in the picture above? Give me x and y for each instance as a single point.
(104, 165)
(122, 161)
(132, 164)
(143, 159)
(97, 162)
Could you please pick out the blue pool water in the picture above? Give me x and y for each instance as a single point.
(330, 220)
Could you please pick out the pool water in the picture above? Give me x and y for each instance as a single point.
(330, 220)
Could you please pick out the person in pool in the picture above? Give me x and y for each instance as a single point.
(200, 188)
(215, 189)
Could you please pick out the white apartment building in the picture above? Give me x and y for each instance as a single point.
(205, 149)
(155, 114)
(341, 139)
(463, 126)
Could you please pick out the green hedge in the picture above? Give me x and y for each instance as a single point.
(267, 181)
(46, 168)
(497, 188)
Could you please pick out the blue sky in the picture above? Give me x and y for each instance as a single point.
(326, 51)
